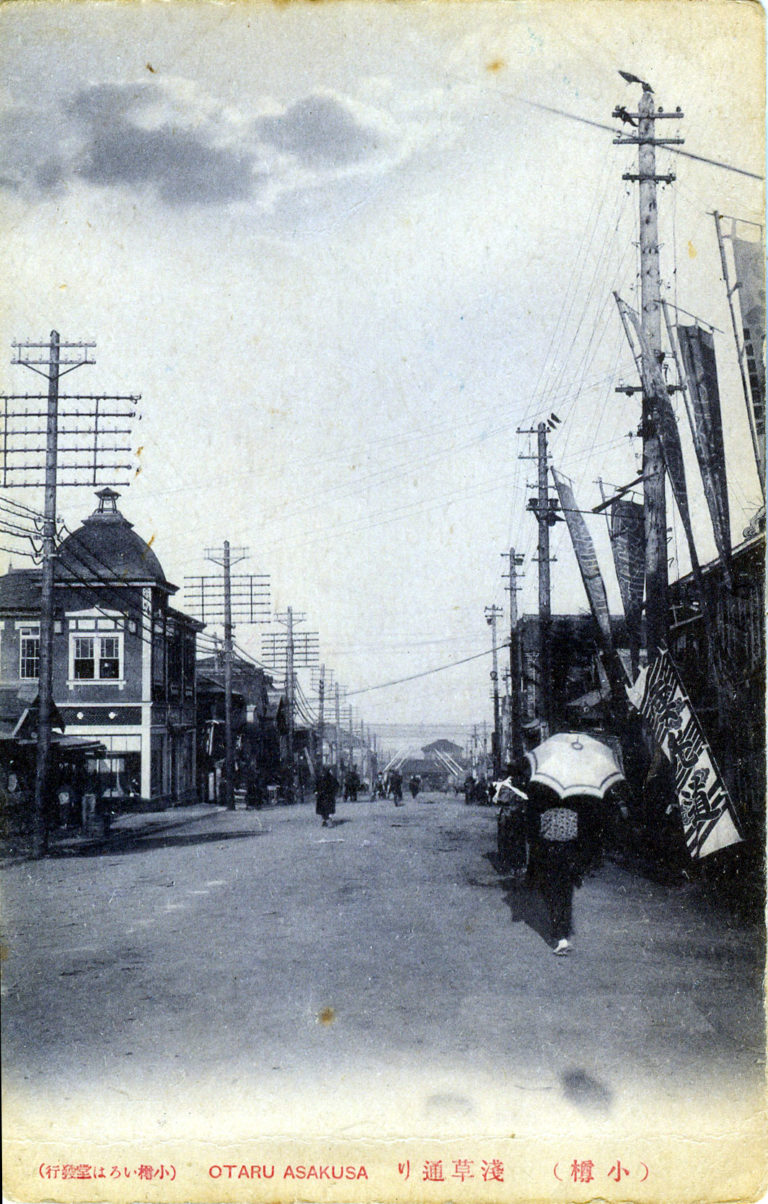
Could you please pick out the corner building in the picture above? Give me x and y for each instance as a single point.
(123, 658)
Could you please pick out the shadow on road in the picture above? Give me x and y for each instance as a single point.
(135, 842)
(525, 903)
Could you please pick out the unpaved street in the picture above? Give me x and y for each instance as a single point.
(376, 975)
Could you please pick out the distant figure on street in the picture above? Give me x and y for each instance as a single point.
(351, 784)
(482, 794)
(558, 861)
(327, 788)
(378, 788)
(469, 789)
(414, 785)
(396, 787)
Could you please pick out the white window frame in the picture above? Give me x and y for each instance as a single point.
(29, 631)
(80, 630)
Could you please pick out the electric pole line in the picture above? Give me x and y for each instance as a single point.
(294, 651)
(226, 557)
(654, 489)
(226, 600)
(21, 467)
(337, 759)
(545, 509)
(515, 661)
(320, 717)
(492, 613)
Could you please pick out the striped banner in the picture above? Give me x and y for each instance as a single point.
(706, 809)
(627, 532)
(586, 558)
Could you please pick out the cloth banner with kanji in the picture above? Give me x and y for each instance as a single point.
(706, 809)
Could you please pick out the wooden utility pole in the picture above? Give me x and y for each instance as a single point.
(492, 613)
(515, 663)
(214, 599)
(46, 360)
(225, 558)
(320, 717)
(338, 727)
(545, 510)
(229, 750)
(654, 488)
(545, 588)
(290, 682)
(291, 651)
(45, 685)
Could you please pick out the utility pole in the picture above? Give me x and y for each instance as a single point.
(292, 650)
(515, 661)
(492, 613)
(290, 682)
(654, 491)
(226, 559)
(337, 727)
(21, 468)
(545, 591)
(214, 599)
(229, 751)
(320, 717)
(544, 508)
(45, 683)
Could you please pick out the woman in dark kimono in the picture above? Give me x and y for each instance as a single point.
(562, 848)
(327, 787)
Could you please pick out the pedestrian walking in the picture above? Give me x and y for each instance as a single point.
(327, 788)
(558, 861)
(396, 787)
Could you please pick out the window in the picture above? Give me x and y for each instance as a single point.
(29, 653)
(109, 660)
(96, 657)
(85, 668)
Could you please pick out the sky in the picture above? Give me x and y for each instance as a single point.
(345, 252)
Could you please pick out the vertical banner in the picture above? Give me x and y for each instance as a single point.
(586, 557)
(655, 386)
(697, 349)
(627, 532)
(706, 809)
(749, 261)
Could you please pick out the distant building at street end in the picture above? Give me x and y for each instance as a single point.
(123, 657)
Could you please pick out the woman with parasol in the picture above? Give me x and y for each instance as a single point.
(569, 771)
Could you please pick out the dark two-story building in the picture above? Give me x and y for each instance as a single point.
(123, 657)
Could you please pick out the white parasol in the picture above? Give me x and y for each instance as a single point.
(571, 763)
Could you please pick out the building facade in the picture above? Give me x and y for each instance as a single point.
(123, 657)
